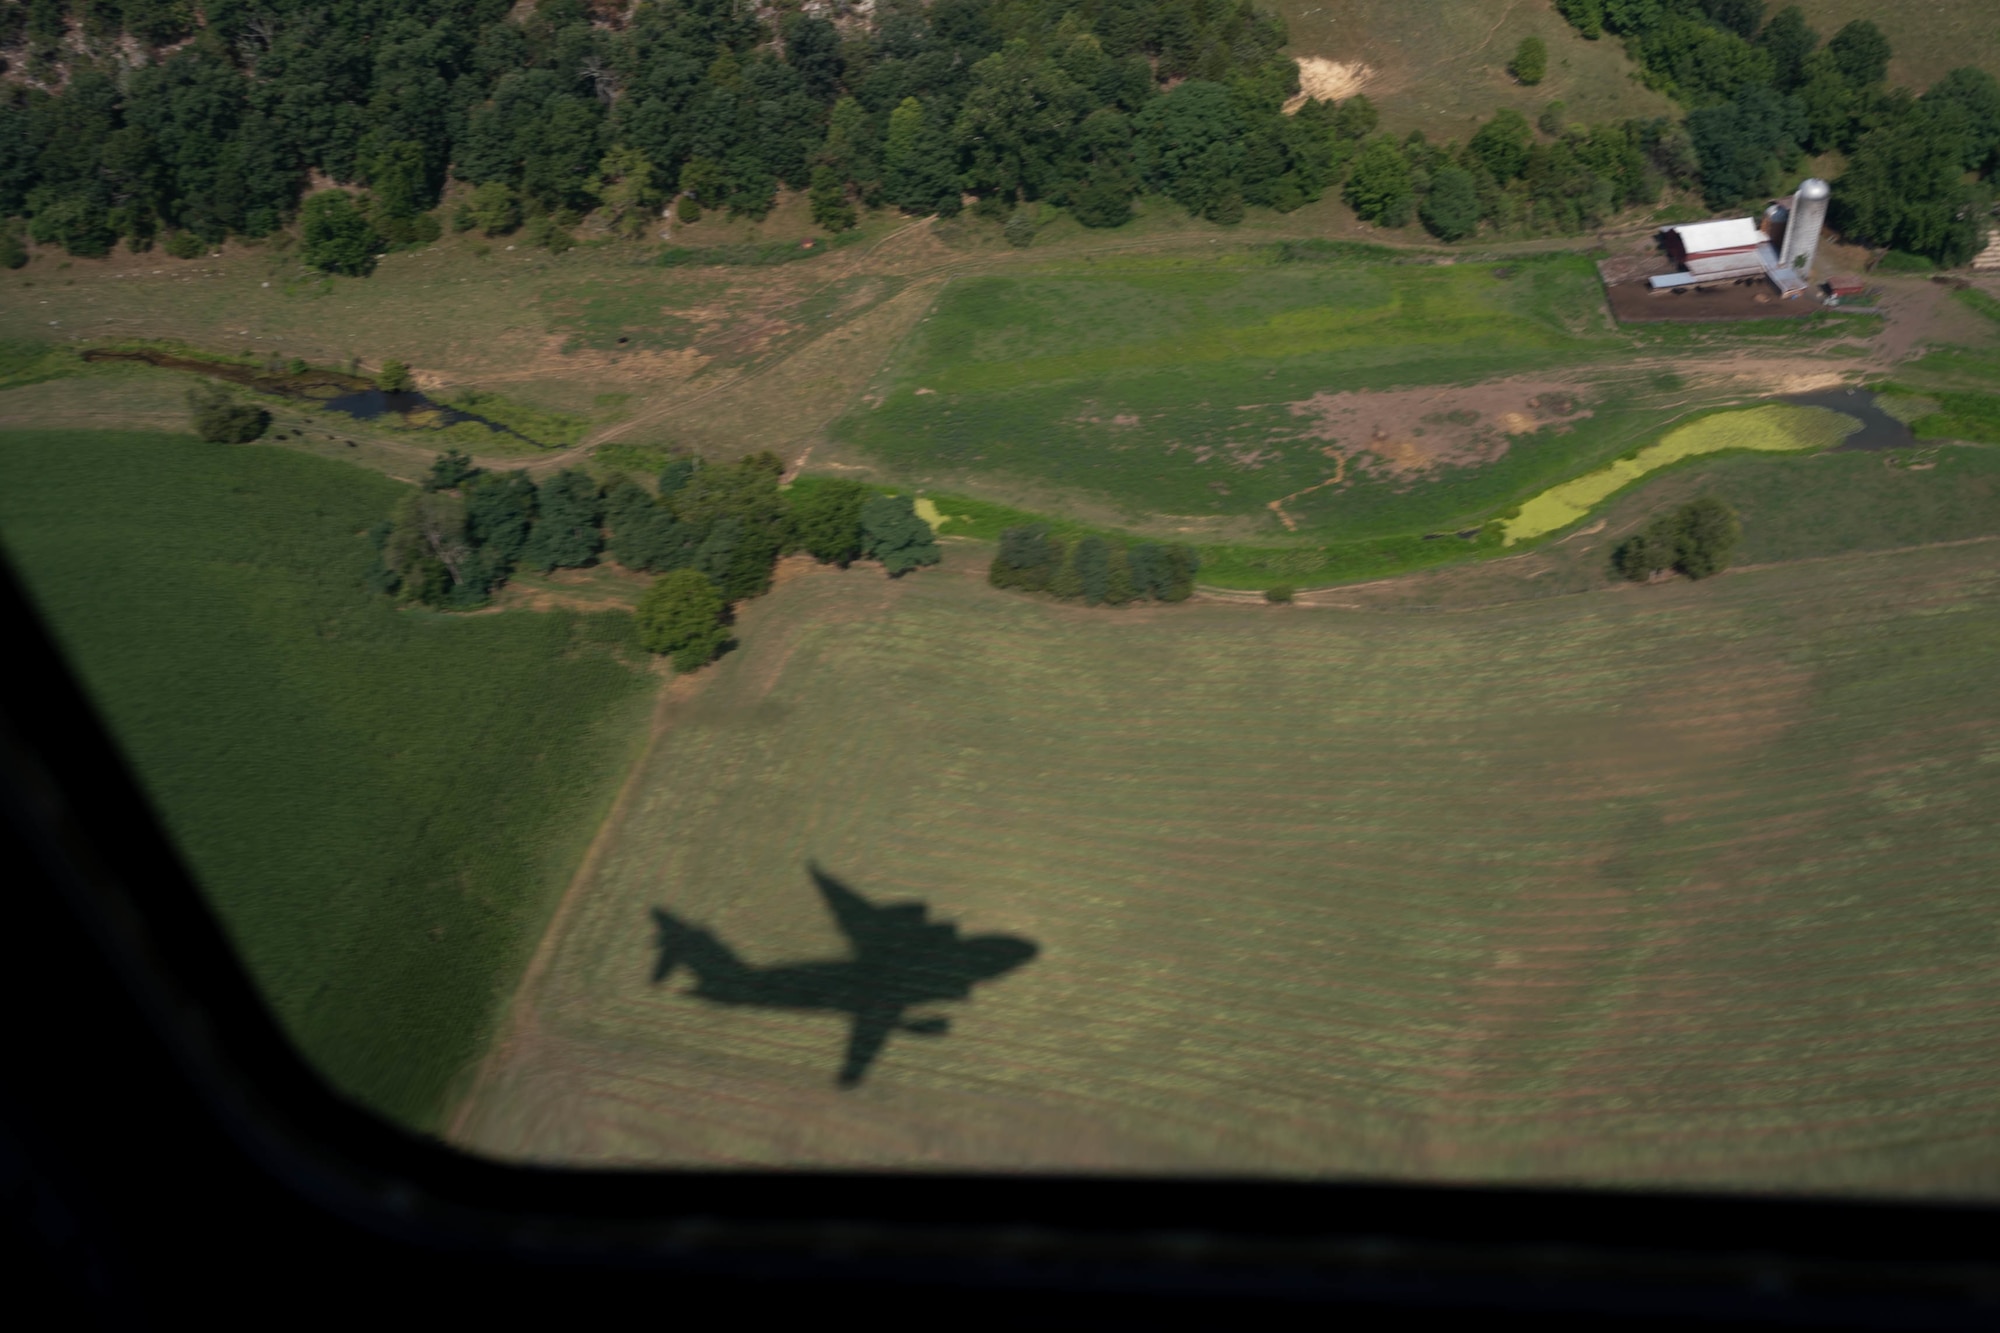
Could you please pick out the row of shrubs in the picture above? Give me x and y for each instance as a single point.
(1092, 570)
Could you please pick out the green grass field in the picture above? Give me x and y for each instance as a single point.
(1165, 386)
(382, 806)
(1199, 396)
(1686, 884)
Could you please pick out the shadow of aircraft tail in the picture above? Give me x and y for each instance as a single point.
(899, 959)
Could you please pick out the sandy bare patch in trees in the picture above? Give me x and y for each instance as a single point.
(1323, 80)
(1413, 430)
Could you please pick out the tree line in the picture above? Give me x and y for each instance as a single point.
(1764, 92)
(715, 531)
(583, 106)
(1091, 569)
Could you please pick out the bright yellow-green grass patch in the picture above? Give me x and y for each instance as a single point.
(928, 511)
(1773, 428)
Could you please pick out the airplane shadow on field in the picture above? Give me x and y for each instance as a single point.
(899, 959)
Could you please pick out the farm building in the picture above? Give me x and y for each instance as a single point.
(1781, 246)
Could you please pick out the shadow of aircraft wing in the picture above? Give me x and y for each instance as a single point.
(860, 920)
(865, 1040)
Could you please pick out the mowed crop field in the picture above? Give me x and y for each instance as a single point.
(1688, 884)
(381, 806)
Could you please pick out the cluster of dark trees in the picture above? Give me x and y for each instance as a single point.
(1091, 569)
(458, 539)
(1564, 179)
(587, 106)
(220, 419)
(1697, 539)
(1763, 92)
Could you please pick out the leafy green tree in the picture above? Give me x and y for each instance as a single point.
(1027, 559)
(1531, 61)
(1743, 145)
(826, 519)
(566, 533)
(335, 237)
(1706, 536)
(1380, 189)
(1280, 594)
(394, 377)
(640, 532)
(830, 206)
(1501, 144)
(1790, 40)
(681, 616)
(1016, 121)
(220, 419)
(1739, 16)
(450, 470)
(1968, 100)
(918, 175)
(396, 178)
(493, 208)
(1861, 53)
(1904, 189)
(1586, 16)
(1189, 145)
(676, 474)
(428, 555)
(13, 253)
(499, 513)
(892, 533)
(1697, 539)
(1451, 209)
(745, 520)
(624, 184)
(1356, 119)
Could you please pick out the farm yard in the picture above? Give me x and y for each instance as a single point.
(1683, 885)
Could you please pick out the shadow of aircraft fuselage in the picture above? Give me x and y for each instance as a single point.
(900, 959)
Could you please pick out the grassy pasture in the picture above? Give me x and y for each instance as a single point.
(1165, 385)
(381, 806)
(1441, 65)
(1686, 884)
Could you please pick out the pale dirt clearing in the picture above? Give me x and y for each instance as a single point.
(1323, 80)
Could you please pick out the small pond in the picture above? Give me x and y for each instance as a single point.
(1878, 430)
(350, 395)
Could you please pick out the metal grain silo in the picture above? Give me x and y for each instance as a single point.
(1808, 217)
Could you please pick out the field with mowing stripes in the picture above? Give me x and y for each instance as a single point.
(1685, 884)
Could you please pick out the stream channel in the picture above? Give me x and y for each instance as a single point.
(350, 395)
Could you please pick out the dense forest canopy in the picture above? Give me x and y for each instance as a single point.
(154, 119)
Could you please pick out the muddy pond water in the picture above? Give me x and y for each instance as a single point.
(1878, 430)
(350, 395)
